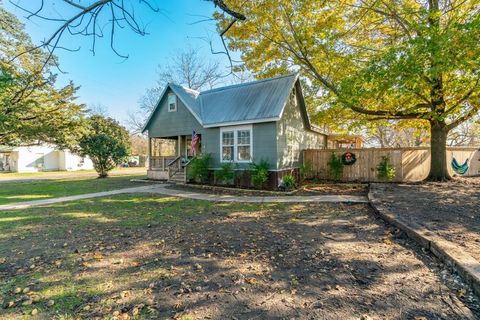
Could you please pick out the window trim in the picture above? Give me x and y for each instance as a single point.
(235, 130)
(168, 102)
(228, 146)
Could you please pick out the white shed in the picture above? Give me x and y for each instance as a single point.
(41, 158)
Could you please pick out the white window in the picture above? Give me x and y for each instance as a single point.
(236, 144)
(172, 103)
(228, 145)
(243, 145)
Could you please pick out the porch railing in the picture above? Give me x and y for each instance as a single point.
(174, 166)
(160, 162)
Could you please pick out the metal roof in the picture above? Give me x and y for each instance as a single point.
(257, 101)
(263, 99)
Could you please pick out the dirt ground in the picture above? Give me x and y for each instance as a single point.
(451, 210)
(233, 261)
(357, 189)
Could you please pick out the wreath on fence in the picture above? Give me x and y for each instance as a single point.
(349, 158)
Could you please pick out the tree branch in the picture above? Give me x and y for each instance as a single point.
(464, 98)
(221, 4)
(473, 111)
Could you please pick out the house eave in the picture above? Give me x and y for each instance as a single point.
(317, 129)
(147, 123)
(241, 122)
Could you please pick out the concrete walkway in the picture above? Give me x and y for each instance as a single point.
(35, 203)
(160, 189)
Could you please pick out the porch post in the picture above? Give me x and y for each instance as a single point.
(161, 154)
(179, 146)
(179, 163)
(149, 153)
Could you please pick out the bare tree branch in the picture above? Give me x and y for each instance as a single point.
(468, 115)
(221, 4)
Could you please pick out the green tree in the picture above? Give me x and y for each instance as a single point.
(408, 59)
(107, 144)
(32, 110)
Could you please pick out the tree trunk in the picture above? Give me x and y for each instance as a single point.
(438, 161)
(103, 173)
(101, 170)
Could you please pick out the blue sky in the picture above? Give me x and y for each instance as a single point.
(112, 81)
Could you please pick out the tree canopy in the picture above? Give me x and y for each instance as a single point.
(32, 109)
(409, 59)
(107, 144)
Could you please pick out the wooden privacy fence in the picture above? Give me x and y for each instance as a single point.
(411, 164)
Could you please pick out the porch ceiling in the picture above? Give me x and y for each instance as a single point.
(173, 137)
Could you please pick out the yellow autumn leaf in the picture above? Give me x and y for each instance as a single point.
(98, 256)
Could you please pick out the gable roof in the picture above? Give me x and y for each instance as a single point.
(252, 102)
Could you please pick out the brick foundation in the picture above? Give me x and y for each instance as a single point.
(243, 178)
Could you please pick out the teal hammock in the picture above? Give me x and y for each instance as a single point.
(460, 169)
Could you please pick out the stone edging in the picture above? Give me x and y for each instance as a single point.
(449, 253)
(149, 181)
(220, 188)
(240, 190)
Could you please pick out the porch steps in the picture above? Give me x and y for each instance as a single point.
(178, 177)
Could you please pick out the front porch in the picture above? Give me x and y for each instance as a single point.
(169, 157)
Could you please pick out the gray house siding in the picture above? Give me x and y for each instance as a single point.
(293, 136)
(211, 145)
(172, 124)
(263, 141)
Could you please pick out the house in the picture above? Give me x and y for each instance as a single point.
(240, 124)
(40, 158)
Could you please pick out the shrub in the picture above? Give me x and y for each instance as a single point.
(260, 174)
(386, 171)
(226, 174)
(288, 182)
(198, 168)
(336, 166)
(306, 170)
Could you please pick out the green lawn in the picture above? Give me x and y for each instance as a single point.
(43, 174)
(17, 191)
(67, 174)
